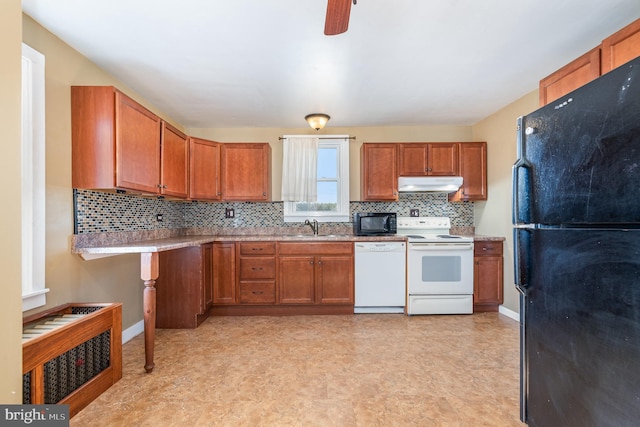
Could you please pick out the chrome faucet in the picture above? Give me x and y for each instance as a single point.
(314, 226)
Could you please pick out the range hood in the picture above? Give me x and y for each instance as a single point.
(422, 184)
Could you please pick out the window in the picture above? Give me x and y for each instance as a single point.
(33, 179)
(332, 204)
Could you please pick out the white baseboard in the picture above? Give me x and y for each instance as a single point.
(509, 313)
(132, 331)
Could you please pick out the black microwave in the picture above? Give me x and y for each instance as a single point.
(374, 223)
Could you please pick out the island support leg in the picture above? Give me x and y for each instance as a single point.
(149, 272)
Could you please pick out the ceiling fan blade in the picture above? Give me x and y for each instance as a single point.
(337, 20)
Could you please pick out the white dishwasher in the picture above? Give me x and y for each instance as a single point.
(380, 275)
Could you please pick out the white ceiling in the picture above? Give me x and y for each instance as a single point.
(267, 63)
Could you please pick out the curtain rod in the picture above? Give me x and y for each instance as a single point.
(326, 137)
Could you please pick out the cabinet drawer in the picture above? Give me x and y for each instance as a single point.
(257, 268)
(257, 292)
(258, 248)
(488, 248)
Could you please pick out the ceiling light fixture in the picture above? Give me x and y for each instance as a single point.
(317, 120)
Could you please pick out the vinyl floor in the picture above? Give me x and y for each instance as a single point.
(355, 370)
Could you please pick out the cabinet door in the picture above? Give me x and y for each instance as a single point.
(378, 172)
(621, 47)
(137, 146)
(488, 273)
(224, 276)
(174, 170)
(246, 172)
(432, 159)
(473, 169)
(207, 277)
(296, 279)
(570, 77)
(412, 159)
(204, 169)
(443, 159)
(335, 280)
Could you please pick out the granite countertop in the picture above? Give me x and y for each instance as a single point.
(103, 245)
(165, 240)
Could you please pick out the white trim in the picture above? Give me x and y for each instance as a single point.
(34, 299)
(509, 313)
(132, 331)
(33, 180)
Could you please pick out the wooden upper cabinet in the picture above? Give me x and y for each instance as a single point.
(119, 144)
(621, 47)
(378, 172)
(204, 169)
(473, 169)
(570, 77)
(174, 155)
(245, 171)
(428, 159)
(617, 49)
(137, 146)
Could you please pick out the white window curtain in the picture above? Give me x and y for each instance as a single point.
(299, 169)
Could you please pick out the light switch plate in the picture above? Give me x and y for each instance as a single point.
(414, 212)
(229, 213)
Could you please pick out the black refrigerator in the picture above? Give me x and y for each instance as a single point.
(576, 216)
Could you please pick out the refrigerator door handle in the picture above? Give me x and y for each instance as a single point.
(520, 256)
(521, 173)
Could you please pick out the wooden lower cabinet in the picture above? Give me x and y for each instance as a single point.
(184, 288)
(316, 273)
(488, 280)
(282, 278)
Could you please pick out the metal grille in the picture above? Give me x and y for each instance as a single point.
(26, 389)
(85, 310)
(69, 371)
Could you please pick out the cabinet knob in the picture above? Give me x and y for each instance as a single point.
(311, 262)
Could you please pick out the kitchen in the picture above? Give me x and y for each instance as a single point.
(73, 279)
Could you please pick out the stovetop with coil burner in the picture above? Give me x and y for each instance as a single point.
(428, 230)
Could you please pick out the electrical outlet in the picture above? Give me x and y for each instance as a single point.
(229, 213)
(414, 212)
(159, 217)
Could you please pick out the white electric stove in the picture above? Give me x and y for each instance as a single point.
(439, 267)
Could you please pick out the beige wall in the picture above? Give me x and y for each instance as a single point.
(493, 217)
(362, 134)
(10, 285)
(69, 278)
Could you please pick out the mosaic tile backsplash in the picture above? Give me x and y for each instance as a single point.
(97, 212)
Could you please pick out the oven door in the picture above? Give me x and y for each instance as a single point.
(440, 268)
